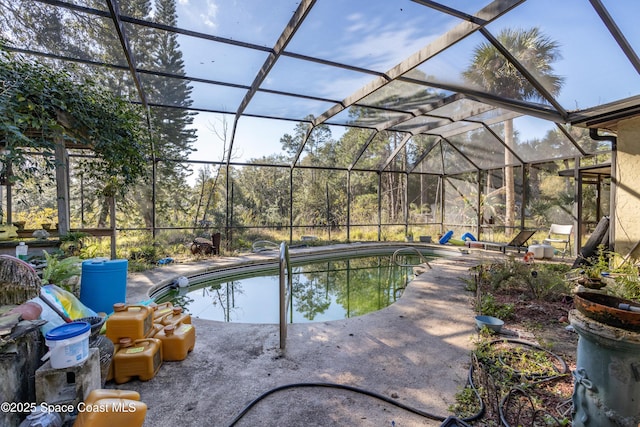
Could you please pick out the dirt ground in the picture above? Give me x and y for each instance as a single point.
(545, 323)
(548, 322)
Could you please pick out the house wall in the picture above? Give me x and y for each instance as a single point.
(626, 201)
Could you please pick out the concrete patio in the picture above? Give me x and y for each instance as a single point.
(415, 352)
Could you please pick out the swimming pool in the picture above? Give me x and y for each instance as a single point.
(328, 289)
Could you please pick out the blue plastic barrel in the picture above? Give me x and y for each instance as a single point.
(103, 283)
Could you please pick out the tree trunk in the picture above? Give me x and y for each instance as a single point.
(104, 213)
(390, 198)
(195, 220)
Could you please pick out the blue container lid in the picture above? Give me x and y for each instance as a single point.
(101, 264)
(68, 330)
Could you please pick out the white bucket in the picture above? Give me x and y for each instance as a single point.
(68, 344)
(548, 251)
(538, 251)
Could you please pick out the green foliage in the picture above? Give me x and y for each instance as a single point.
(494, 72)
(519, 379)
(148, 253)
(466, 403)
(628, 284)
(40, 105)
(539, 281)
(490, 307)
(625, 275)
(515, 364)
(72, 242)
(34, 216)
(597, 265)
(59, 270)
(73, 236)
(94, 248)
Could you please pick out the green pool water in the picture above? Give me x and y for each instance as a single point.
(322, 290)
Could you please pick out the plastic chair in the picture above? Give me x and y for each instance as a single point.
(559, 233)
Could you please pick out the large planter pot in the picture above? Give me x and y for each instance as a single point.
(604, 309)
(606, 387)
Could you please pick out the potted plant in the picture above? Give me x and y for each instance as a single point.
(45, 218)
(62, 272)
(590, 274)
(72, 242)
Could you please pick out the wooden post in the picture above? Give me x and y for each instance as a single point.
(112, 225)
(62, 185)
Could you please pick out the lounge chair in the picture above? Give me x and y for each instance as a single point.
(519, 242)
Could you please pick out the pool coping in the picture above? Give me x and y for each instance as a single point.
(142, 286)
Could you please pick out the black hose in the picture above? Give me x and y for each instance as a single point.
(480, 413)
(393, 402)
(349, 388)
(338, 386)
(538, 379)
(534, 412)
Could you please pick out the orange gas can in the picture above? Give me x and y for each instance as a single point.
(129, 321)
(106, 408)
(116, 347)
(177, 341)
(155, 328)
(104, 393)
(176, 316)
(140, 358)
(161, 310)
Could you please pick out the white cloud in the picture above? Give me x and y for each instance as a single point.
(378, 43)
(358, 23)
(200, 17)
(210, 14)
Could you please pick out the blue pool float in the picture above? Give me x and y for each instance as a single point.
(468, 236)
(444, 239)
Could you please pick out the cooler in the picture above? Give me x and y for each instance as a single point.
(103, 284)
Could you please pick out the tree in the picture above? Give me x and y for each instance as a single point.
(265, 193)
(40, 104)
(492, 71)
(320, 136)
(172, 136)
(77, 34)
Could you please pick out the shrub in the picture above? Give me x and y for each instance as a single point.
(490, 307)
(539, 281)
